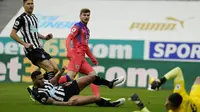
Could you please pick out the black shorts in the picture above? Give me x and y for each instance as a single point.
(71, 90)
(37, 55)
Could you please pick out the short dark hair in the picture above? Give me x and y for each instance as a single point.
(84, 10)
(35, 74)
(175, 99)
(24, 1)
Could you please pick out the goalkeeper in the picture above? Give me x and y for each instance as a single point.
(179, 100)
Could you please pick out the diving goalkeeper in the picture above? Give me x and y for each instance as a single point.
(179, 100)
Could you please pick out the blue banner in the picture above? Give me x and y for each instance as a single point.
(174, 50)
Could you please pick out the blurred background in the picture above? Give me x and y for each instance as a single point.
(136, 39)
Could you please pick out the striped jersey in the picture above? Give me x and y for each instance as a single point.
(28, 26)
(49, 90)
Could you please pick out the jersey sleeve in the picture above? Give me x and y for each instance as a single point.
(41, 97)
(179, 85)
(74, 30)
(18, 23)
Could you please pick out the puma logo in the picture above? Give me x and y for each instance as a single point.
(171, 24)
(177, 20)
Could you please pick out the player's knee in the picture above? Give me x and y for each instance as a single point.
(197, 81)
(92, 73)
(96, 98)
(91, 77)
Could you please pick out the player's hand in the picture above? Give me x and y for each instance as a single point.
(28, 45)
(95, 62)
(49, 36)
(63, 69)
(155, 84)
(134, 97)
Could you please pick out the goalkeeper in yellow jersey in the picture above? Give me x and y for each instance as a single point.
(179, 100)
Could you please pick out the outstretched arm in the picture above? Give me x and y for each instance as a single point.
(56, 78)
(175, 73)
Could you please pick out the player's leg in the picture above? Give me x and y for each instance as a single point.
(78, 85)
(51, 61)
(74, 66)
(54, 65)
(196, 88)
(87, 69)
(46, 65)
(86, 80)
(84, 100)
(64, 78)
(43, 61)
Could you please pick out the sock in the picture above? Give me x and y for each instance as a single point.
(145, 110)
(139, 103)
(95, 89)
(64, 79)
(100, 81)
(49, 75)
(173, 73)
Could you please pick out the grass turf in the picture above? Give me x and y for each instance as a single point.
(14, 98)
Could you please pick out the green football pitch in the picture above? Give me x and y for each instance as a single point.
(14, 98)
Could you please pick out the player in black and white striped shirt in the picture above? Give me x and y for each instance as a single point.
(47, 92)
(27, 24)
